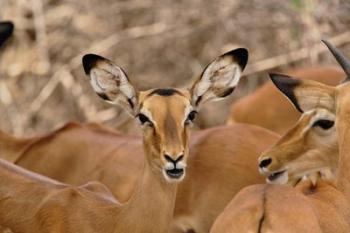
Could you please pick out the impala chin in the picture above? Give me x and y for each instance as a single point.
(279, 177)
(174, 173)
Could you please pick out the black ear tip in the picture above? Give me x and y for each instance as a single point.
(240, 55)
(8, 26)
(283, 80)
(286, 85)
(6, 30)
(89, 61)
(279, 78)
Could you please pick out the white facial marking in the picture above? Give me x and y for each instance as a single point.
(169, 166)
(188, 109)
(181, 165)
(148, 114)
(320, 114)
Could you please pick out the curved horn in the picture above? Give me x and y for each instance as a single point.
(342, 60)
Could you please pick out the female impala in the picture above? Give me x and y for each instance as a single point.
(76, 154)
(79, 153)
(30, 203)
(318, 206)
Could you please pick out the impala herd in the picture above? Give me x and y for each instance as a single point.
(89, 178)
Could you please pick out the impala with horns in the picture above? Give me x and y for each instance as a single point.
(30, 203)
(306, 147)
(277, 114)
(313, 205)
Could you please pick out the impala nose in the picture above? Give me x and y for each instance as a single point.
(265, 162)
(175, 167)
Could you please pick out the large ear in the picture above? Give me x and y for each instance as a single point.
(110, 82)
(304, 94)
(6, 29)
(220, 77)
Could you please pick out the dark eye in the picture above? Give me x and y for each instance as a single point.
(143, 119)
(324, 124)
(191, 116)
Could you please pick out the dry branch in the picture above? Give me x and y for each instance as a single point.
(297, 55)
(98, 47)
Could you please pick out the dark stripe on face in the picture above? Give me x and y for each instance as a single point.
(165, 92)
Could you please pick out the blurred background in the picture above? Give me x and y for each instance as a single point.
(158, 43)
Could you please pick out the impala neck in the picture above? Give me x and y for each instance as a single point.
(151, 207)
(343, 128)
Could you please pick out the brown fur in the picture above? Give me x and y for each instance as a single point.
(257, 209)
(164, 121)
(304, 148)
(71, 153)
(268, 108)
(329, 202)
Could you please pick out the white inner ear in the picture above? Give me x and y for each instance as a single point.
(111, 80)
(102, 81)
(221, 73)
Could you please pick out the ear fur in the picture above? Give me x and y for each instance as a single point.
(220, 77)
(304, 94)
(110, 82)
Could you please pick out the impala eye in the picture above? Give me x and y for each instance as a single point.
(143, 119)
(191, 116)
(324, 124)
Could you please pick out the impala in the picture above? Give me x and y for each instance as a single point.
(312, 206)
(276, 113)
(76, 153)
(31, 203)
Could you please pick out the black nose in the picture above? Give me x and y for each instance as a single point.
(265, 163)
(175, 172)
(171, 160)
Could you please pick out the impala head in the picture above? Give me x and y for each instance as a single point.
(6, 29)
(312, 144)
(166, 115)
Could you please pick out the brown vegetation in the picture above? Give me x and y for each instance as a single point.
(160, 43)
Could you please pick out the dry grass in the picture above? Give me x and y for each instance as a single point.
(158, 43)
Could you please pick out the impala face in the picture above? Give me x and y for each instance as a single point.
(303, 150)
(312, 145)
(166, 114)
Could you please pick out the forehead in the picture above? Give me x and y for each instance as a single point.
(161, 100)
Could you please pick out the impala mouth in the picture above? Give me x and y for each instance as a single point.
(175, 173)
(280, 177)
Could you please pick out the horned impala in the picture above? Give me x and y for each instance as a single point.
(316, 205)
(276, 113)
(165, 116)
